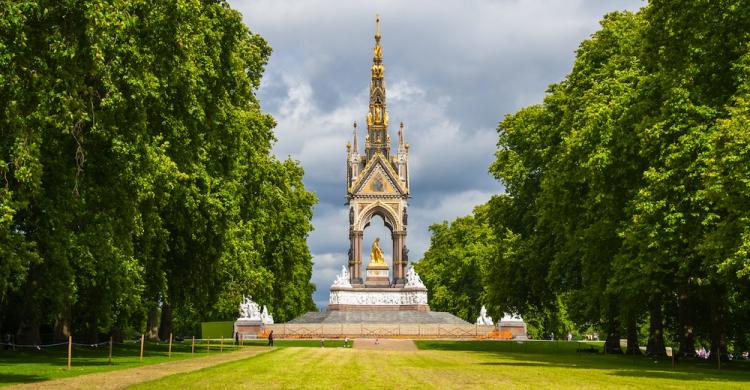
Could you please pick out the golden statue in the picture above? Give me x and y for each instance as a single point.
(369, 119)
(385, 119)
(376, 256)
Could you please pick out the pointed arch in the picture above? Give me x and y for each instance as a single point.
(390, 218)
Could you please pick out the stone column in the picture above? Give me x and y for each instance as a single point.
(355, 265)
(398, 261)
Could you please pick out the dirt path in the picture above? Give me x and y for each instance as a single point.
(119, 379)
(385, 344)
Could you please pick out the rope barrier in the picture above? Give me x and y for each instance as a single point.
(33, 345)
(227, 343)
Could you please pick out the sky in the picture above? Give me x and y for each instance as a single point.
(453, 70)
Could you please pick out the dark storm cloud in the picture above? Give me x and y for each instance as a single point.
(453, 71)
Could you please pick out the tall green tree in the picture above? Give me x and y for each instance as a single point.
(453, 266)
(137, 170)
(626, 188)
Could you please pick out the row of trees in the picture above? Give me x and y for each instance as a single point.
(627, 202)
(137, 186)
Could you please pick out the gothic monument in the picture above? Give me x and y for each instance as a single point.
(377, 184)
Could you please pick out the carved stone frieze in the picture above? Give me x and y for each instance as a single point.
(360, 297)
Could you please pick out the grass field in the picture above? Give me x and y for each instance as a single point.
(26, 366)
(450, 364)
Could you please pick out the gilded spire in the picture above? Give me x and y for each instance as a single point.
(377, 51)
(377, 115)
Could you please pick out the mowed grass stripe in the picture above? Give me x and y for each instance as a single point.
(337, 368)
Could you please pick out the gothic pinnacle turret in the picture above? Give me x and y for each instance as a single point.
(356, 148)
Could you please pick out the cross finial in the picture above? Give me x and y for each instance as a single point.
(377, 25)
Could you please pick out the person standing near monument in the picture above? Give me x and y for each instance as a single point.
(270, 339)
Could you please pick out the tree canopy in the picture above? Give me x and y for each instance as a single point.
(137, 174)
(627, 187)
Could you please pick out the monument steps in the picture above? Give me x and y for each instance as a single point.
(378, 317)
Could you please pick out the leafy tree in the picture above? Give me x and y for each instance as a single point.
(138, 180)
(625, 188)
(452, 267)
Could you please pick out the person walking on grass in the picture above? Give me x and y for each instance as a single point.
(270, 339)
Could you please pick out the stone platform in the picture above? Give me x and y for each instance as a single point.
(378, 299)
(383, 324)
(406, 317)
(377, 276)
(247, 328)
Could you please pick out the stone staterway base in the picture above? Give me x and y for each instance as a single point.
(373, 323)
(378, 317)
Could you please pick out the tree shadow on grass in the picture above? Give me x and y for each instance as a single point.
(527, 364)
(683, 375)
(550, 355)
(10, 379)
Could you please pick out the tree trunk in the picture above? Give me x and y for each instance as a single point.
(612, 343)
(62, 325)
(152, 324)
(655, 345)
(165, 326)
(717, 342)
(116, 332)
(686, 336)
(633, 348)
(92, 330)
(28, 326)
(28, 333)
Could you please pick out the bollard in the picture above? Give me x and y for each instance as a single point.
(110, 350)
(208, 345)
(221, 348)
(70, 351)
(142, 339)
(170, 344)
(192, 349)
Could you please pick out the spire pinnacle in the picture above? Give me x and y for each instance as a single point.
(401, 134)
(377, 116)
(377, 27)
(355, 137)
(377, 50)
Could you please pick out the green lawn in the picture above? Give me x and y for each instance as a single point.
(450, 364)
(24, 366)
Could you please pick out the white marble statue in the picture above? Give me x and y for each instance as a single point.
(342, 279)
(413, 279)
(483, 318)
(249, 310)
(511, 318)
(265, 317)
